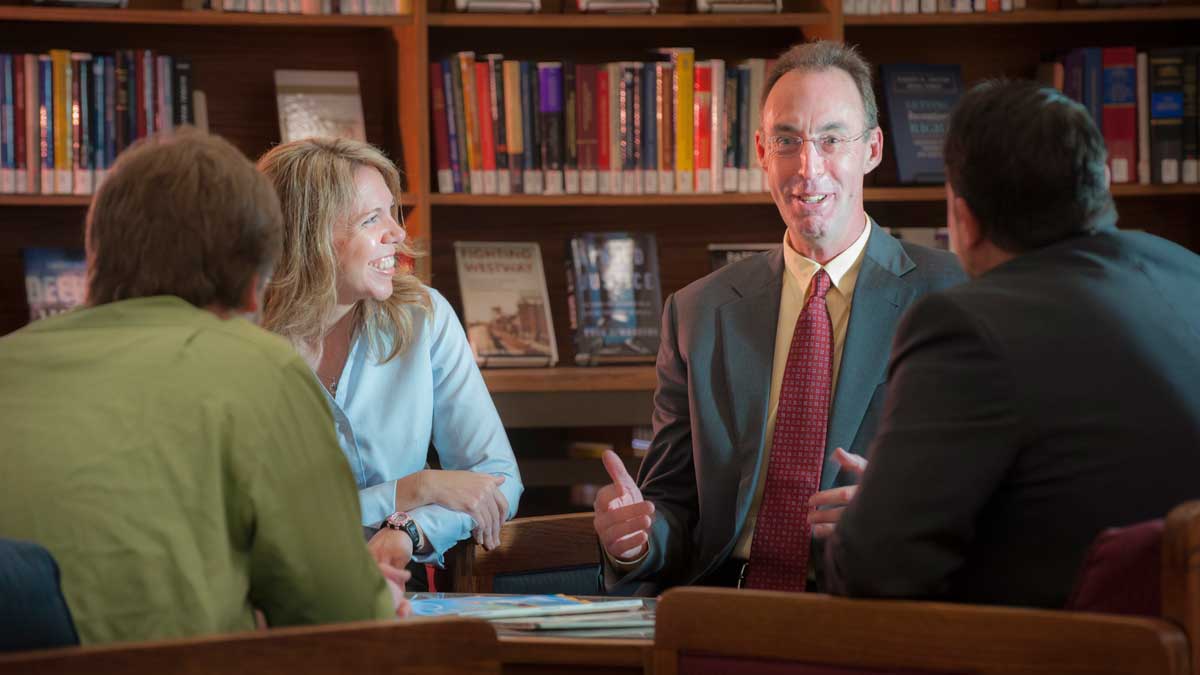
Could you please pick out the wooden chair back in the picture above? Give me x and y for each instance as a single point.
(409, 647)
(563, 543)
(1181, 573)
(702, 630)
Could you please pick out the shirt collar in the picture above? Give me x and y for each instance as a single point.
(842, 270)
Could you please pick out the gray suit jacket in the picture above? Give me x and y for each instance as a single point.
(714, 379)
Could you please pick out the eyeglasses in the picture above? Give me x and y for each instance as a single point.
(828, 145)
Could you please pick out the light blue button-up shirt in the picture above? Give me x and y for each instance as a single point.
(387, 415)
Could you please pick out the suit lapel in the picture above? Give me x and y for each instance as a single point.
(748, 327)
(874, 311)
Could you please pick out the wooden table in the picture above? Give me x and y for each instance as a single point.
(577, 656)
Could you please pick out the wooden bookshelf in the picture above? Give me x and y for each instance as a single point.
(1033, 16)
(181, 17)
(570, 379)
(629, 21)
(407, 200)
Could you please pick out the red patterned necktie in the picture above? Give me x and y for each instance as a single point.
(779, 551)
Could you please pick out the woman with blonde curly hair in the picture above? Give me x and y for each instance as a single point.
(390, 353)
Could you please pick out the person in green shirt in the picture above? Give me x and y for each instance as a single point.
(179, 462)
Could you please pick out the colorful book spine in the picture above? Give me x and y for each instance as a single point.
(649, 128)
(683, 59)
(550, 124)
(531, 161)
(729, 132)
(664, 77)
(487, 135)
(466, 69)
(452, 82)
(80, 120)
(8, 139)
(1189, 166)
(586, 127)
(615, 153)
(441, 129)
(513, 125)
(499, 129)
(702, 127)
(183, 112)
(1143, 112)
(603, 143)
(33, 165)
(627, 128)
(20, 156)
(61, 103)
(570, 130)
(1120, 112)
(46, 134)
(1166, 115)
(715, 123)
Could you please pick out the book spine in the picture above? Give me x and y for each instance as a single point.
(1093, 72)
(603, 143)
(441, 129)
(745, 139)
(499, 127)
(514, 127)
(99, 128)
(664, 77)
(729, 175)
(572, 290)
(466, 67)
(715, 124)
(46, 131)
(81, 119)
(454, 117)
(616, 153)
(630, 176)
(8, 139)
(702, 128)
(487, 135)
(531, 157)
(586, 128)
(684, 62)
(164, 101)
(1189, 167)
(112, 123)
(550, 125)
(1166, 115)
(33, 166)
(649, 129)
(62, 124)
(20, 156)
(1143, 112)
(758, 69)
(1120, 111)
(570, 131)
(121, 99)
(184, 114)
(148, 86)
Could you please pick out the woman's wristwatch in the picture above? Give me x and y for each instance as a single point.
(402, 521)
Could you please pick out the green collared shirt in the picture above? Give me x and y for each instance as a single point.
(182, 469)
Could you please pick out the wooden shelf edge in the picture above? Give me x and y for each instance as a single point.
(407, 200)
(195, 17)
(1030, 16)
(570, 378)
(795, 19)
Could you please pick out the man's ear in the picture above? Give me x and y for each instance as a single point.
(760, 147)
(969, 230)
(874, 150)
(252, 296)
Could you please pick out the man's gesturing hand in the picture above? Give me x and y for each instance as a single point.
(623, 518)
(834, 500)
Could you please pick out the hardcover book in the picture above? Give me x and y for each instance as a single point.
(614, 297)
(55, 280)
(506, 309)
(919, 99)
(319, 103)
(515, 606)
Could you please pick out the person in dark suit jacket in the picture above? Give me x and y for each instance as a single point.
(1055, 395)
(690, 517)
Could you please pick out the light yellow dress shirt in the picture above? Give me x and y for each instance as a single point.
(797, 277)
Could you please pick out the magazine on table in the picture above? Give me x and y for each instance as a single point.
(603, 620)
(514, 606)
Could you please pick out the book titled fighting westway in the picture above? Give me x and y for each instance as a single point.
(505, 305)
(514, 606)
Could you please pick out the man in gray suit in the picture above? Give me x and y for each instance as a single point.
(1054, 395)
(693, 515)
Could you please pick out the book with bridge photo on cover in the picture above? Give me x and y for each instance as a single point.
(506, 309)
(614, 297)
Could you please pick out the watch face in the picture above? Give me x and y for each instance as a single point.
(399, 520)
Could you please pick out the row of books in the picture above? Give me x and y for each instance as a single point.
(316, 7)
(668, 125)
(64, 116)
(877, 7)
(1143, 102)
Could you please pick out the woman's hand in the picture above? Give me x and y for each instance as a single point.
(476, 494)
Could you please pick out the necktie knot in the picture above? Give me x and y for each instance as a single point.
(820, 284)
